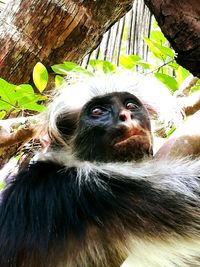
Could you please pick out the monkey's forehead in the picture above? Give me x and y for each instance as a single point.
(148, 89)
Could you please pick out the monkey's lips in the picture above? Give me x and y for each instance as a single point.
(135, 144)
(132, 135)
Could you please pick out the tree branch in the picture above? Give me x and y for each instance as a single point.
(14, 133)
(186, 86)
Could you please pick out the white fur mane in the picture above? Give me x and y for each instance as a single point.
(149, 90)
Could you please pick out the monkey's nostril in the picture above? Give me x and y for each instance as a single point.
(122, 117)
(125, 116)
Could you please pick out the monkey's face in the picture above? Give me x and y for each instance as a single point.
(113, 127)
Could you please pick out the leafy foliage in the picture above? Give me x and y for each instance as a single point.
(14, 99)
(130, 62)
(161, 61)
(40, 76)
(70, 68)
(161, 64)
(104, 65)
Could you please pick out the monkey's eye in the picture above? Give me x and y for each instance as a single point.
(131, 106)
(97, 111)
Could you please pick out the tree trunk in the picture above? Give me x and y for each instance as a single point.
(179, 21)
(51, 32)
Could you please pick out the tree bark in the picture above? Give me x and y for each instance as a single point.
(179, 21)
(52, 31)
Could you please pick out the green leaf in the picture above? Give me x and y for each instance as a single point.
(27, 99)
(135, 58)
(60, 69)
(173, 65)
(25, 89)
(5, 106)
(108, 67)
(13, 97)
(34, 107)
(59, 81)
(2, 114)
(7, 95)
(7, 91)
(195, 88)
(70, 68)
(40, 76)
(70, 65)
(143, 64)
(24, 94)
(80, 70)
(129, 62)
(171, 131)
(95, 64)
(102, 65)
(157, 36)
(182, 74)
(159, 50)
(169, 81)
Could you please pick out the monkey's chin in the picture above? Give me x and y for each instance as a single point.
(134, 140)
(125, 141)
(134, 147)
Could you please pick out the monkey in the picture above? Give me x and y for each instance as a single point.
(97, 195)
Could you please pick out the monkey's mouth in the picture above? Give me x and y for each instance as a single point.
(132, 135)
(133, 145)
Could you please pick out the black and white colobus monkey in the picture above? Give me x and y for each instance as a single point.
(97, 196)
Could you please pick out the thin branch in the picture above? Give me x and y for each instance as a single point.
(186, 86)
(189, 104)
(15, 133)
(23, 133)
(159, 67)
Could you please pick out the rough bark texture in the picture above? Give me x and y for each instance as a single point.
(179, 21)
(52, 31)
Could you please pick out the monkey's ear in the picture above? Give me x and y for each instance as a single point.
(66, 124)
(62, 128)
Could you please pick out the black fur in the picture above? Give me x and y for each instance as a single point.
(48, 205)
(62, 211)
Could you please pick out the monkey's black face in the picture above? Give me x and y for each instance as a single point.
(113, 127)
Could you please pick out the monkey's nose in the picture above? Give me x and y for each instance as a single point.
(125, 116)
